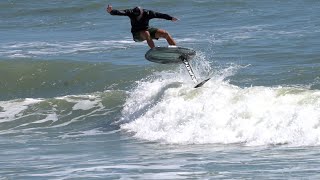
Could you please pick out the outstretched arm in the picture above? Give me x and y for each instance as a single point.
(154, 14)
(117, 12)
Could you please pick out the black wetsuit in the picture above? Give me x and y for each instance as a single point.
(143, 23)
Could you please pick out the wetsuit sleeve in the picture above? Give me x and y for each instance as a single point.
(126, 12)
(153, 14)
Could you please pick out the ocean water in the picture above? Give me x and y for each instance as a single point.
(79, 101)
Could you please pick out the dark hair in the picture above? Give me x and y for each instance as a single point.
(136, 11)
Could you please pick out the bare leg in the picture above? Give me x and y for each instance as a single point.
(146, 35)
(164, 34)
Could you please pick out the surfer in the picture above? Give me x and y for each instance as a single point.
(140, 24)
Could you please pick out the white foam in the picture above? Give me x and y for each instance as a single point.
(222, 113)
(13, 109)
(84, 105)
(16, 111)
(50, 117)
(92, 132)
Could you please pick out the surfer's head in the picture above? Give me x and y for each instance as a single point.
(137, 11)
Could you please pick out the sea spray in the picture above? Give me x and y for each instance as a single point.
(223, 113)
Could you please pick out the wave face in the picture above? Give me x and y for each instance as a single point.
(162, 107)
(30, 78)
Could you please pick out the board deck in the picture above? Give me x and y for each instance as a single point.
(170, 54)
(175, 55)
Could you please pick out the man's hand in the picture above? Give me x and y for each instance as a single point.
(174, 19)
(109, 8)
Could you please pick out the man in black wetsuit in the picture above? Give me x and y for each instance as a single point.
(140, 24)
